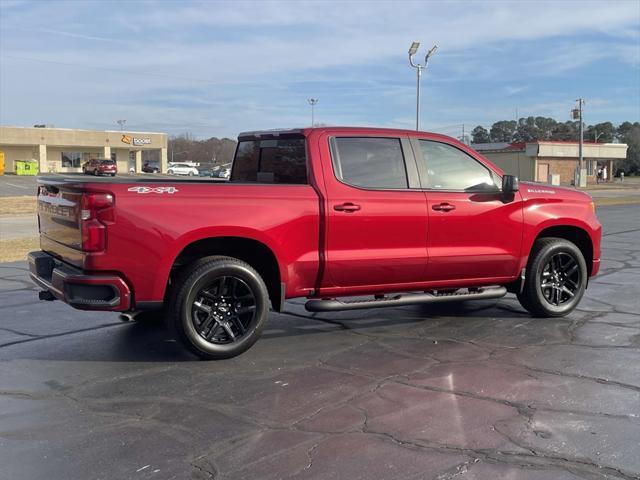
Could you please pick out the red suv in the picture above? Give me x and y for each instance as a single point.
(100, 166)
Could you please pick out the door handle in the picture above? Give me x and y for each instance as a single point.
(444, 207)
(347, 207)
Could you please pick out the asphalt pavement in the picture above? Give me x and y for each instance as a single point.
(478, 390)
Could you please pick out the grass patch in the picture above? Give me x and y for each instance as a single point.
(17, 249)
(630, 200)
(14, 206)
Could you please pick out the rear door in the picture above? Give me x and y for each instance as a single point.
(376, 212)
(474, 233)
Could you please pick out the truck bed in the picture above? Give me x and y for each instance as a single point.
(69, 178)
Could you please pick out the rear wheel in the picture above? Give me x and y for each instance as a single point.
(219, 307)
(556, 278)
(170, 172)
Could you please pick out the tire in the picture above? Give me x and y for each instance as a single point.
(113, 174)
(170, 172)
(219, 307)
(95, 173)
(191, 174)
(555, 280)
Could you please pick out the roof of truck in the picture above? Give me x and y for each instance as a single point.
(298, 132)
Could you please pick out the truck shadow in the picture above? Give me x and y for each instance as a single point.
(151, 341)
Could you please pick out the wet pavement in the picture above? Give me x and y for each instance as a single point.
(471, 391)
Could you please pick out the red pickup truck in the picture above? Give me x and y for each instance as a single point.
(330, 214)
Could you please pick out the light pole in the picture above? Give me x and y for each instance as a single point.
(577, 115)
(412, 51)
(121, 123)
(313, 102)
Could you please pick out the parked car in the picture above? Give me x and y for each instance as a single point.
(222, 171)
(100, 166)
(206, 172)
(148, 168)
(330, 214)
(182, 169)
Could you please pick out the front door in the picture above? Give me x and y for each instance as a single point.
(376, 212)
(542, 174)
(474, 232)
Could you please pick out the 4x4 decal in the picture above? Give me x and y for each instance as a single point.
(153, 189)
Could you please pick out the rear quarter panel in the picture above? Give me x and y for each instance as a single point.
(151, 229)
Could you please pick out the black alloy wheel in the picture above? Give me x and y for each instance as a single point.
(219, 307)
(560, 279)
(555, 278)
(224, 310)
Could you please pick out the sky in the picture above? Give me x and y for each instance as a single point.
(216, 68)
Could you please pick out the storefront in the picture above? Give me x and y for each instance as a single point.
(553, 162)
(61, 150)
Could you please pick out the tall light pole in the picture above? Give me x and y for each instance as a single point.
(577, 115)
(413, 49)
(313, 102)
(121, 123)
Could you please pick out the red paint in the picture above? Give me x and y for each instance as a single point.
(328, 238)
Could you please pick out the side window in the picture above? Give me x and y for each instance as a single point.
(271, 161)
(451, 169)
(369, 162)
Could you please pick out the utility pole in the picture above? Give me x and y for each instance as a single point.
(413, 49)
(582, 173)
(313, 102)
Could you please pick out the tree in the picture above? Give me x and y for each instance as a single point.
(567, 131)
(213, 151)
(503, 131)
(545, 127)
(631, 165)
(480, 135)
(602, 133)
(527, 130)
(623, 129)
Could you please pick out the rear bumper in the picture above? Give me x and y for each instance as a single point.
(73, 286)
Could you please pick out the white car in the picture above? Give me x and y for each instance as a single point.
(182, 169)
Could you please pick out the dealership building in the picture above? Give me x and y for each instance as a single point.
(65, 150)
(553, 161)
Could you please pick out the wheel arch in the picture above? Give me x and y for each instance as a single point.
(254, 252)
(574, 234)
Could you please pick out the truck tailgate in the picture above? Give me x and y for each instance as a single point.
(59, 218)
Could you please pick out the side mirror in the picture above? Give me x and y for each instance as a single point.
(510, 185)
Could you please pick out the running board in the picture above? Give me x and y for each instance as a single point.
(334, 305)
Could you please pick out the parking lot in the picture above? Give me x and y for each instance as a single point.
(472, 391)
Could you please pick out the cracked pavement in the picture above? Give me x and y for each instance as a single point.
(476, 390)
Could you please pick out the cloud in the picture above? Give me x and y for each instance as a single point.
(226, 64)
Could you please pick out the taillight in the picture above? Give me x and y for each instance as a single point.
(96, 210)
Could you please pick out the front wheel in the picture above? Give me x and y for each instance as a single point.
(170, 172)
(556, 278)
(219, 307)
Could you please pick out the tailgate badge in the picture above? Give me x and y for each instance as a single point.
(153, 189)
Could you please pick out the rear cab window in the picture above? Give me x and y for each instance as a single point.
(369, 162)
(271, 160)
